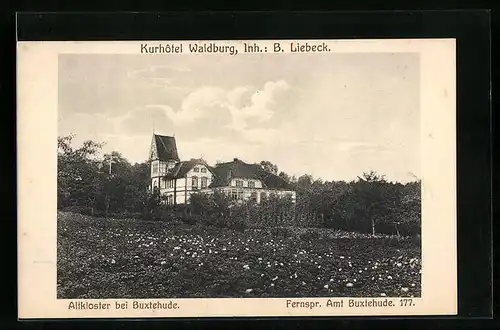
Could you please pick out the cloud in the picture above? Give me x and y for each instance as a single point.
(240, 96)
(259, 107)
(242, 103)
(161, 75)
(194, 106)
(142, 120)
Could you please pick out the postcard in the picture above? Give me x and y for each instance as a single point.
(239, 178)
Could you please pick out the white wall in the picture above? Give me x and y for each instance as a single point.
(247, 192)
(199, 174)
(258, 183)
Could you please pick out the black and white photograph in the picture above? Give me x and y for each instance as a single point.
(226, 178)
(243, 176)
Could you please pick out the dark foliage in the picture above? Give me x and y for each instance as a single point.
(110, 186)
(102, 258)
(369, 205)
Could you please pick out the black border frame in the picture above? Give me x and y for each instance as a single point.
(474, 125)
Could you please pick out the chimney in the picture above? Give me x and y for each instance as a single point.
(235, 159)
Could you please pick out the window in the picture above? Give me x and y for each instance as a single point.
(239, 183)
(170, 200)
(239, 194)
(163, 168)
(194, 182)
(251, 184)
(254, 197)
(263, 195)
(203, 182)
(234, 194)
(203, 170)
(196, 169)
(155, 168)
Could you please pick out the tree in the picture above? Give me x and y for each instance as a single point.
(153, 205)
(411, 207)
(327, 201)
(77, 172)
(115, 164)
(107, 185)
(141, 173)
(202, 204)
(304, 182)
(361, 205)
(268, 166)
(369, 192)
(372, 176)
(285, 177)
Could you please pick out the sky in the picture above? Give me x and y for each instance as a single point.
(331, 115)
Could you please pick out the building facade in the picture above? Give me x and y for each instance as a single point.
(177, 179)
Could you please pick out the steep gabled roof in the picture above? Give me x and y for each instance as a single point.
(224, 172)
(182, 168)
(166, 148)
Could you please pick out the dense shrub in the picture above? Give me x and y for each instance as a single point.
(218, 210)
(80, 209)
(370, 206)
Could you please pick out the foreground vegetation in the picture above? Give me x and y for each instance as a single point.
(111, 186)
(126, 258)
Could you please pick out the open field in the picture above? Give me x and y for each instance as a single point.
(111, 258)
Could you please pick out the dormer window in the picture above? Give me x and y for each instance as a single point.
(251, 184)
(239, 183)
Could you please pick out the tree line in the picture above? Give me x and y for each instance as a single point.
(107, 185)
(368, 205)
(111, 186)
